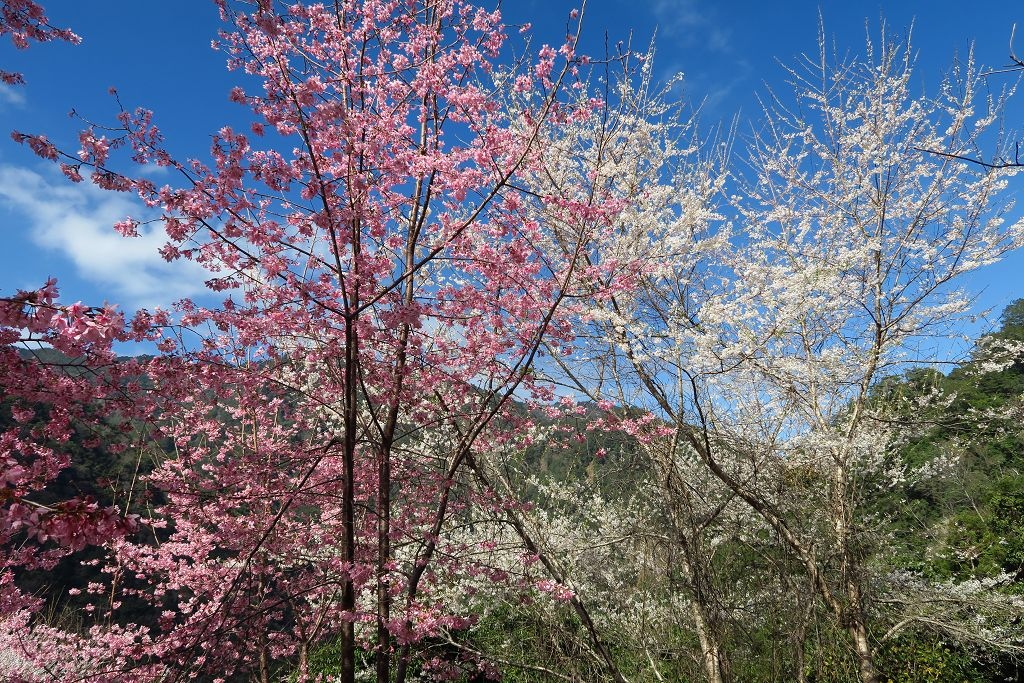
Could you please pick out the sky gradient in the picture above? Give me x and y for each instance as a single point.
(158, 56)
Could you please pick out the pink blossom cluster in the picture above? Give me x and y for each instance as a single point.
(60, 324)
(72, 524)
(25, 21)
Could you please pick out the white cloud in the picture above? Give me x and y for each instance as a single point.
(686, 22)
(77, 221)
(11, 96)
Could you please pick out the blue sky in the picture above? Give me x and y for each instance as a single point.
(158, 55)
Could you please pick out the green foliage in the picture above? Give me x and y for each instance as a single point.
(909, 658)
(323, 662)
(990, 541)
(1012, 321)
(920, 659)
(966, 521)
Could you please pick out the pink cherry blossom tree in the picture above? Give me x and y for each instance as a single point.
(387, 284)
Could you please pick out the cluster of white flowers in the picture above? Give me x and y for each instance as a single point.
(975, 612)
(995, 354)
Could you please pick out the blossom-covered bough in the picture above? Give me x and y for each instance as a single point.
(48, 403)
(25, 21)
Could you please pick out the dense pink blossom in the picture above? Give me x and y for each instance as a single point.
(386, 286)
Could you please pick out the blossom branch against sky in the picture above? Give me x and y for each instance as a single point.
(727, 58)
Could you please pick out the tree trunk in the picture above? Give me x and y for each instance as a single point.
(865, 656)
(712, 657)
(852, 615)
(383, 655)
(303, 660)
(348, 503)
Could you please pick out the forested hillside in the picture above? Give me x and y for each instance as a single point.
(941, 540)
(945, 530)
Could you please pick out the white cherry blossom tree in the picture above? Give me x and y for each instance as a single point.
(755, 343)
